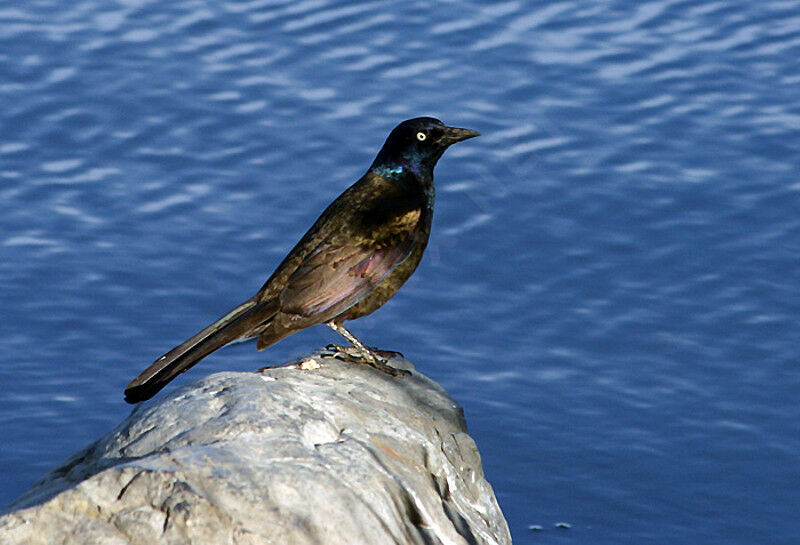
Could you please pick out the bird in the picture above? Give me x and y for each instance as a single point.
(353, 259)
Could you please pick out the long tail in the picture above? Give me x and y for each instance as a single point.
(241, 322)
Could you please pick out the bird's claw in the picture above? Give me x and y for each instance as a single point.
(386, 354)
(388, 369)
(372, 358)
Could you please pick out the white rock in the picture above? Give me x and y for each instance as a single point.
(340, 454)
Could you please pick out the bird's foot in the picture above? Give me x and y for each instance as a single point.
(386, 354)
(380, 364)
(370, 356)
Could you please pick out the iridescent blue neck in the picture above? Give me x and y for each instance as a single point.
(398, 166)
(406, 164)
(388, 170)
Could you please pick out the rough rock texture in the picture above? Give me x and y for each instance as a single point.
(336, 454)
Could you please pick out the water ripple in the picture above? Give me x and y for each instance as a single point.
(613, 264)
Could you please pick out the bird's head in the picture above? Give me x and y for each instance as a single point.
(417, 144)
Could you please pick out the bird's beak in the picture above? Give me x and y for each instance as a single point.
(455, 134)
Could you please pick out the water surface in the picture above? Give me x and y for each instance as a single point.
(610, 290)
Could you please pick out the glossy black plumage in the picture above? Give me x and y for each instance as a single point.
(354, 258)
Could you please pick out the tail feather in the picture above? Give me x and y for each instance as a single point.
(241, 322)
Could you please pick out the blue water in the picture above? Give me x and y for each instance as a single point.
(611, 289)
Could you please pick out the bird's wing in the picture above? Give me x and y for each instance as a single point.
(333, 277)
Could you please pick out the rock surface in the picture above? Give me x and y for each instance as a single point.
(316, 452)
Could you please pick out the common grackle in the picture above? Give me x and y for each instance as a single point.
(359, 252)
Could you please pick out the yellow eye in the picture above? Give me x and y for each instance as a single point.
(421, 136)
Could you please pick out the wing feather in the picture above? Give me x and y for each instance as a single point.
(335, 277)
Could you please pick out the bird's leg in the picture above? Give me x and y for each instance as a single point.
(368, 355)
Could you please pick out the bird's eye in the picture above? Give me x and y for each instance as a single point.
(421, 136)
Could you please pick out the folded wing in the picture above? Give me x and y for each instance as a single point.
(334, 277)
